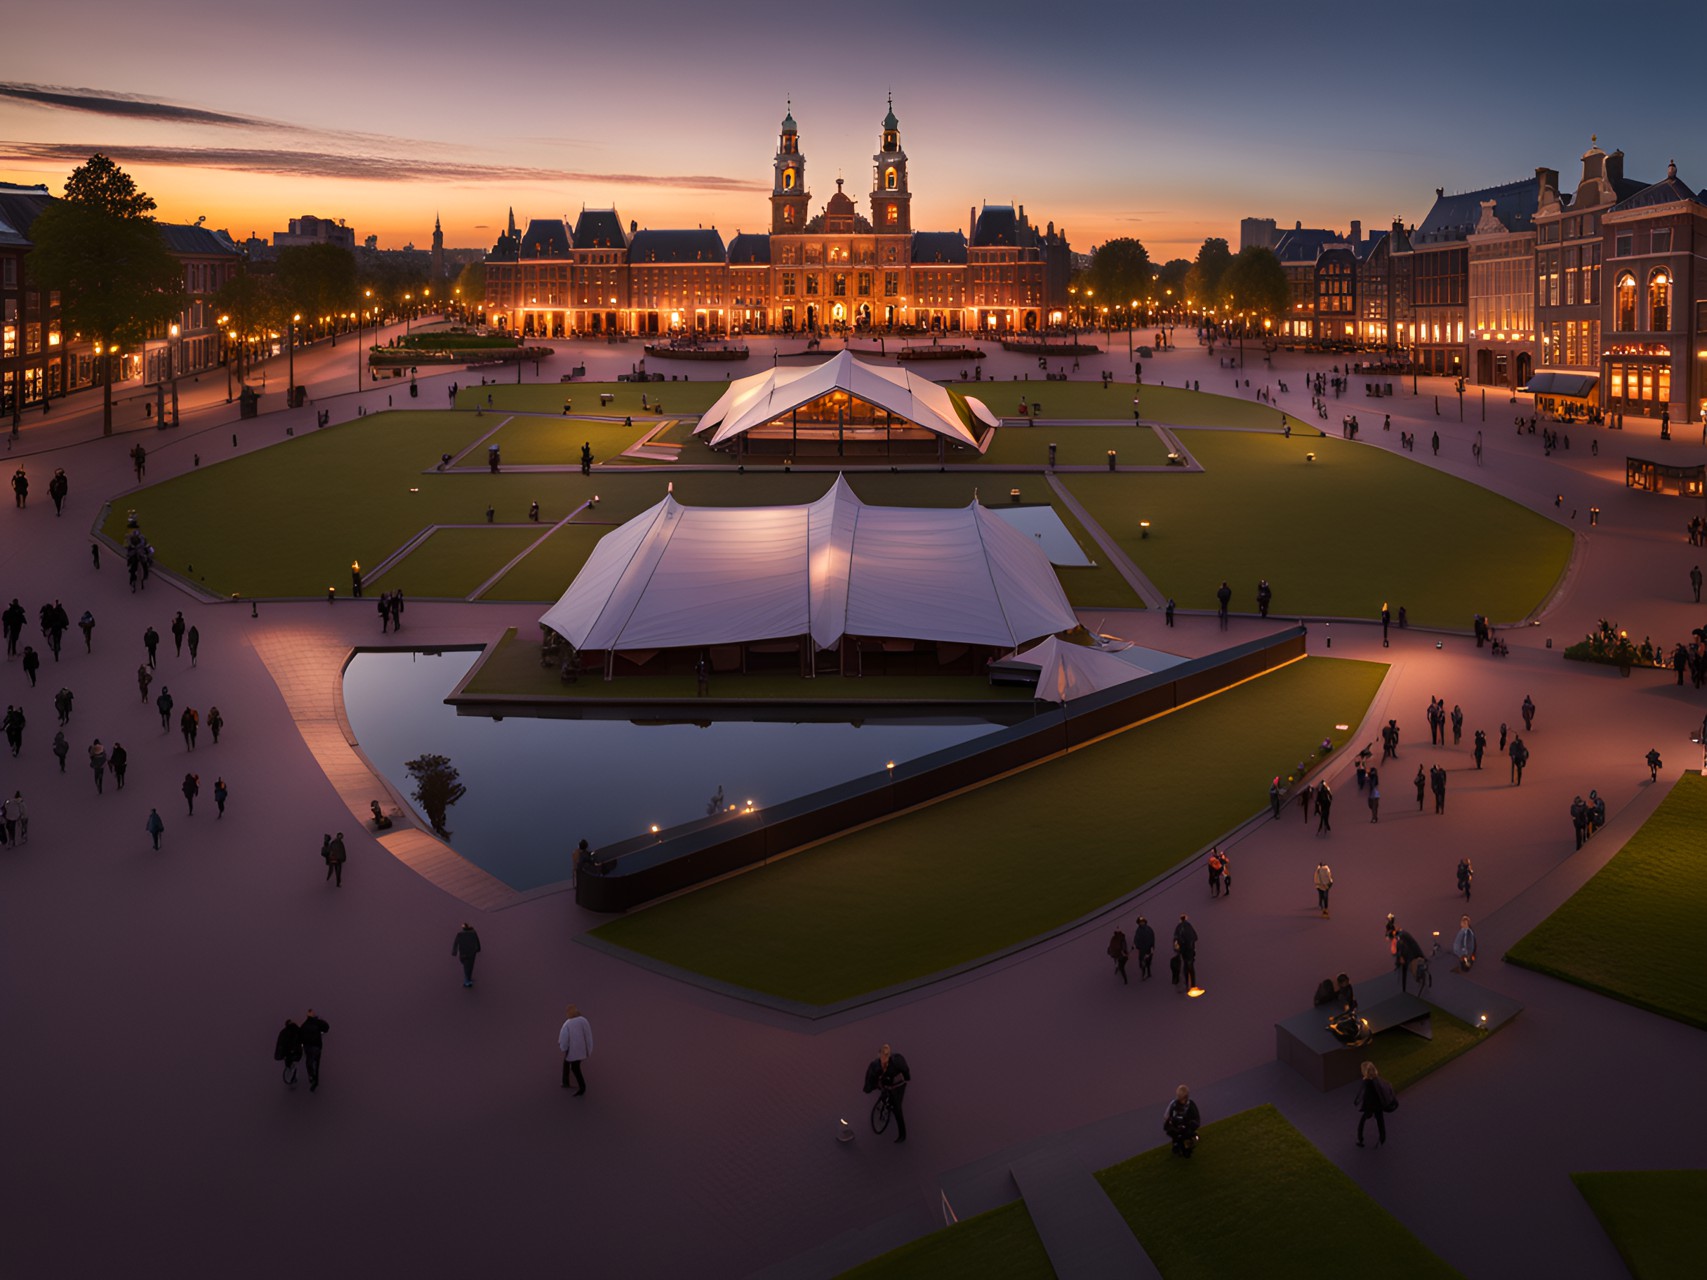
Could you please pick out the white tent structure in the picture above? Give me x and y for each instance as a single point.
(1067, 671)
(777, 395)
(677, 576)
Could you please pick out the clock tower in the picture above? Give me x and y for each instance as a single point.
(789, 198)
(890, 200)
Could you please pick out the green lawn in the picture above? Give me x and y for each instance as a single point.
(998, 1245)
(1022, 446)
(1339, 536)
(547, 397)
(993, 867)
(1171, 405)
(1630, 933)
(1653, 1217)
(451, 563)
(1257, 1199)
(547, 441)
(547, 571)
(1405, 1058)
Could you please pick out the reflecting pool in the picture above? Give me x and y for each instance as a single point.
(537, 786)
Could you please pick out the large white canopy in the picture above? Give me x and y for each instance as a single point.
(676, 576)
(1067, 671)
(764, 397)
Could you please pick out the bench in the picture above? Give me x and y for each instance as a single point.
(1304, 1042)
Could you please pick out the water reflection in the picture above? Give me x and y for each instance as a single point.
(536, 786)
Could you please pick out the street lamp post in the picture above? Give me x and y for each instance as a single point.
(408, 313)
(290, 389)
(172, 370)
(360, 352)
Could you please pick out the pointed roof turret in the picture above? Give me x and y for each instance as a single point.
(889, 121)
(788, 125)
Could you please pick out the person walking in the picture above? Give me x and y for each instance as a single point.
(164, 704)
(1437, 782)
(14, 723)
(1481, 746)
(1406, 952)
(1466, 874)
(465, 946)
(1654, 764)
(220, 794)
(575, 1042)
(32, 664)
(1306, 798)
(86, 624)
(117, 759)
(194, 640)
(1274, 795)
(1519, 757)
(144, 678)
(314, 1029)
(1226, 875)
(1464, 945)
(192, 788)
(1695, 582)
(215, 722)
(1324, 885)
(1214, 866)
(1528, 714)
(178, 633)
(61, 749)
(1185, 944)
(188, 723)
(1223, 596)
(1374, 796)
(334, 853)
(889, 1071)
(154, 826)
(1324, 807)
(1144, 943)
(1181, 1121)
(1118, 951)
(151, 642)
(98, 763)
(1503, 734)
(1457, 724)
(17, 819)
(288, 1050)
(1168, 612)
(1375, 1098)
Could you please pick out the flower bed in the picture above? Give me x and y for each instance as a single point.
(1612, 647)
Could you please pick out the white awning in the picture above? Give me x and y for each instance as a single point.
(676, 576)
(1067, 671)
(765, 397)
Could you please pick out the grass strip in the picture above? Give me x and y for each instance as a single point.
(1653, 1217)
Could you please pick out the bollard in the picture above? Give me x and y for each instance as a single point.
(1329, 633)
(1111, 459)
(1052, 453)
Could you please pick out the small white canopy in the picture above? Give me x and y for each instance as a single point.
(1067, 671)
(764, 397)
(675, 576)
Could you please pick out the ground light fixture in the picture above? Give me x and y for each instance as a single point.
(1143, 528)
(1342, 727)
(1194, 992)
(844, 1131)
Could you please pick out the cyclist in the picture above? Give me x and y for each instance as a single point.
(888, 1071)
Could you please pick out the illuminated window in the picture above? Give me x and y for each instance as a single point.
(891, 214)
(1659, 300)
(788, 179)
(788, 213)
(889, 179)
(839, 285)
(1624, 303)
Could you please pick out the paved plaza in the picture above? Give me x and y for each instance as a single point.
(147, 1128)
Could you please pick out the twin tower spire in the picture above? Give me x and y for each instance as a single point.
(891, 200)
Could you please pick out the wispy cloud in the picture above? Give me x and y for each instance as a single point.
(127, 106)
(293, 162)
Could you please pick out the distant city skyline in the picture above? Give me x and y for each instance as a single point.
(1109, 120)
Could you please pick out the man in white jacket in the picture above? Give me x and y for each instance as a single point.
(575, 1039)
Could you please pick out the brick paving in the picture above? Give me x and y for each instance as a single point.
(146, 1120)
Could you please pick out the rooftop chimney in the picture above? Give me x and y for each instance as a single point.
(1356, 231)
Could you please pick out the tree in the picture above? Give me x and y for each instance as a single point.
(101, 251)
(470, 287)
(436, 788)
(318, 281)
(1256, 283)
(1205, 284)
(1120, 273)
(254, 308)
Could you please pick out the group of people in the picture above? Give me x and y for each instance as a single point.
(1589, 816)
(390, 605)
(1183, 964)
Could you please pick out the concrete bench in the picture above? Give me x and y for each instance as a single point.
(1304, 1042)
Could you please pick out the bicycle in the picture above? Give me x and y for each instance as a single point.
(882, 1110)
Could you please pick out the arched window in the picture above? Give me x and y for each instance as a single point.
(889, 179)
(1624, 304)
(788, 213)
(891, 215)
(1659, 300)
(788, 179)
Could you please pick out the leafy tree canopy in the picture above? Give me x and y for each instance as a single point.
(1256, 283)
(1120, 273)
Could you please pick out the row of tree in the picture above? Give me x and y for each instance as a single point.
(1121, 274)
(100, 248)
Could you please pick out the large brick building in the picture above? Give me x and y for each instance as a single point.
(841, 268)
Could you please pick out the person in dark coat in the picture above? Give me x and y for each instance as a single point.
(288, 1050)
(164, 705)
(1223, 596)
(32, 664)
(154, 826)
(221, 793)
(151, 642)
(194, 638)
(1406, 952)
(1185, 943)
(1373, 1098)
(1528, 714)
(1324, 807)
(1437, 783)
(192, 788)
(889, 1070)
(465, 946)
(333, 852)
(1118, 951)
(1181, 1122)
(1274, 795)
(1466, 874)
(178, 633)
(117, 759)
(314, 1028)
(1144, 943)
(1481, 746)
(215, 722)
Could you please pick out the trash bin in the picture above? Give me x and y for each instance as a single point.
(248, 404)
(297, 398)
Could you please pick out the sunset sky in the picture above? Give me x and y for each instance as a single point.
(1169, 123)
